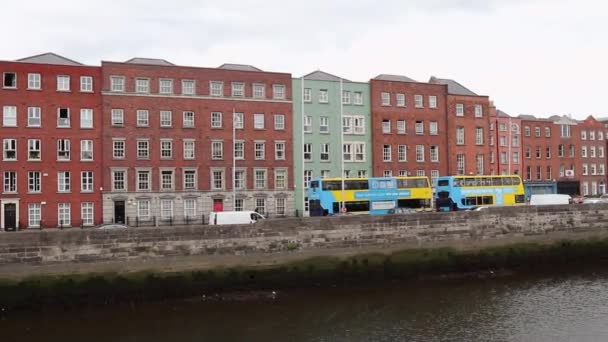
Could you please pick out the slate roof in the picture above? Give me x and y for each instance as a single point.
(150, 61)
(502, 114)
(239, 67)
(49, 58)
(454, 88)
(323, 76)
(394, 78)
(527, 117)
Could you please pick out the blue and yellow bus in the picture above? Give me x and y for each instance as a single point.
(465, 192)
(368, 195)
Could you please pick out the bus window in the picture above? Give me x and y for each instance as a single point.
(506, 181)
(443, 182)
(515, 180)
(470, 181)
(497, 181)
(487, 181)
(458, 182)
(356, 184)
(332, 185)
(314, 184)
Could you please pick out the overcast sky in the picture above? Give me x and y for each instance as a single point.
(539, 57)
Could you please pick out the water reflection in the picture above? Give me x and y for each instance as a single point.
(553, 307)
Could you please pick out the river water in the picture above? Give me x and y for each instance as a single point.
(555, 306)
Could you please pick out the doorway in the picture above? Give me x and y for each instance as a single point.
(10, 217)
(218, 204)
(119, 212)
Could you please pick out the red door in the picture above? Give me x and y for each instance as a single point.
(218, 205)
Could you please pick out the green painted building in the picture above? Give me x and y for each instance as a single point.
(319, 124)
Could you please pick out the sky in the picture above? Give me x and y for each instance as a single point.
(537, 57)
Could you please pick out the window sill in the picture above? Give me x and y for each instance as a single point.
(64, 192)
(64, 160)
(34, 89)
(118, 125)
(9, 160)
(87, 160)
(63, 91)
(28, 126)
(34, 160)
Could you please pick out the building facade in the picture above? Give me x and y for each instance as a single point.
(180, 142)
(505, 140)
(592, 156)
(408, 127)
(51, 143)
(331, 125)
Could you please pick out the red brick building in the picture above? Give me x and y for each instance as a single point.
(467, 129)
(408, 127)
(168, 141)
(505, 140)
(592, 156)
(51, 146)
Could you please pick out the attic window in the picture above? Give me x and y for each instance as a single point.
(9, 80)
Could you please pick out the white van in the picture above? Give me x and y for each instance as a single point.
(234, 217)
(550, 199)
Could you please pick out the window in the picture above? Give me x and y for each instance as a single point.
(307, 178)
(362, 173)
(10, 181)
(600, 152)
(279, 204)
(386, 126)
(459, 109)
(600, 135)
(324, 124)
(118, 149)
(602, 169)
(34, 81)
(216, 120)
(591, 135)
(347, 124)
(516, 157)
(86, 181)
(258, 121)
(188, 87)
(547, 132)
(63, 83)
(260, 205)
(401, 128)
(33, 181)
(86, 150)
(118, 117)
(165, 86)
(217, 150)
(239, 179)
(420, 173)
(63, 181)
(86, 213)
(260, 179)
(307, 95)
(584, 151)
(325, 173)
(166, 180)
(479, 136)
(566, 131)
(324, 152)
(387, 173)
(308, 152)
(34, 215)
(359, 124)
(259, 91)
(418, 101)
(502, 127)
(592, 151)
(166, 118)
(143, 180)
(400, 100)
(64, 214)
(478, 111)
(419, 127)
(402, 153)
(63, 149)
(460, 164)
(216, 88)
(280, 179)
(549, 172)
(190, 207)
(142, 85)
(571, 151)
(189, 179)
(260, 150)
(308, 124)
(386, 99)
(479, 162)
(432, 101)
(358, 98)
(560, 150)
(537, 132)
(86, 83)
(143, 149)
(583, 135)
(63, 117)
(503, 157)
(33, 149)
(239, 120)
(434, 153)
(359, 152)
(593, 169)
(86, 118)
(143, 209)
(166, 210)
(9, 149)
(188, 152)
(142, 118)
(217, 179)
(279, 121)
(117, 83)
(538, 152)
(386, 153)
(323, 96)
(346, 97)
(34, 117)
(238, 204)
(420, 153)
(515, 141)
(347, 153)
(238, 89)
(460, 136)
(166, 148)
(433, 130)
(239, 149)
(118, 180)
(278, 91)
(527, 131)
(279, 151)
(188, 119)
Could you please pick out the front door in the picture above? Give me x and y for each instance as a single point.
(119, 212)
(10, 216)
(218, 204)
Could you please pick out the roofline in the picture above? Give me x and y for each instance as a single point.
(80, 65)
(49, 53)
(343, 80)
(196, 67)
(158, 59)
(417, 82)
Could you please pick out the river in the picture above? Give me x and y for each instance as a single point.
(561, 305)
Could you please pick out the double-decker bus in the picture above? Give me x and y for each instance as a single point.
(373, 196)
(465, 192)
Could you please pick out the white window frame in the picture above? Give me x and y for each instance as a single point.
(418, 101)
(86, 118)
(259, 150)
(165, 86)
(34, 182)
(237, 89)
(189, 149)
(259, 121)
(86, 150)
(166, 118)
(188, 119)
(166, 149)
(387, 153)
(9, 149)
(86, 84)
(279, 122)
(188, 87)
(63, 83)
(34, 117)
(34, 149)
(187, 183)
(87, 213)
(64, 214)
(400, 99)
(143, 118)
(34, 81)
(432, 101)
(324, 124)
(34, 215)
(117, 83)
(323, 96)
(63, 149)
(64, 182)
(119, 148)
(143, 180)
(420, 153)
(278, 91)
(385, 98)
(259, 90)
(279, 150)
(217, 150)
(63, 122)
(118, 117)
(459, 109)
(142, 85)
(216, 119)
(86, 181)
